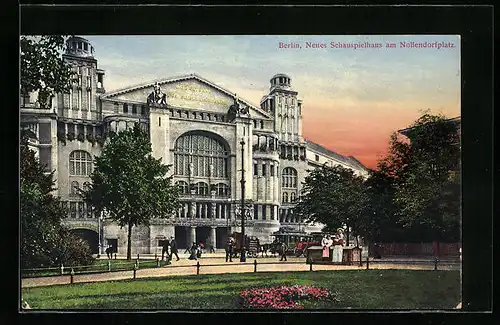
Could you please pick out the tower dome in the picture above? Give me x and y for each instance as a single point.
(281, 80)
(80, 47)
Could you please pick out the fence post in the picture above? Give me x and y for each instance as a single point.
(135, 271)
(367, 263)
(310, 265)
(198, 268)
(72, 275)
(109, 266)
(255, 265)
(156, 256)
(435, 263)
(62, 269)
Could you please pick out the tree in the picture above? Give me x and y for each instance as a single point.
(42, 233)
(333, 196)
(427, 180)
(130, 184)
(43, 68)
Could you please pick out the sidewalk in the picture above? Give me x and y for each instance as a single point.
(211, 265)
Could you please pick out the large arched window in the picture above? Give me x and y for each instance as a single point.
(183, 187)
(289, 178)
(200, 155)
(80, 163)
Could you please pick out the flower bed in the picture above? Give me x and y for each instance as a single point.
(284, 297)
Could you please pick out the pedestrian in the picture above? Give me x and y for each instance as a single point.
(199, 250)
(212, 249)
(164, 250)
(173, 248)
(283, 250)
(229, 249)
(193, 251)
(109, 251)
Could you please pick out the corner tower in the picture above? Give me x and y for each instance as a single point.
(282, 103)
(82, 100)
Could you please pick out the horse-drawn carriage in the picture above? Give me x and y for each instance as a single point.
(251, 245)
(296, 241)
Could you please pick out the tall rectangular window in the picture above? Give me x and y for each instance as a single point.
(255, 169)
(263, 169)
(271, 169)
(255, 211)
(272, 212)
(264, 212)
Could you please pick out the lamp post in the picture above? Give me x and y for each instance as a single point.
(242, 255)
(100, 219)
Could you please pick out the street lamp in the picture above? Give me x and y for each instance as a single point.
(242, 255)
(100, 219)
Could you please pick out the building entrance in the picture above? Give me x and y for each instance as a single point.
(90, 236)
(181, 237)
(203, 235)
(221, 234)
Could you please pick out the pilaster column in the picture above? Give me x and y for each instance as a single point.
(193, 236)
(186, 209)
(206, 210)
(213, 234)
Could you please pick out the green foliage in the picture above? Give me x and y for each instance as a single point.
(425, 175)
(42, 234)
(333, 196)
(43, 68)
(130, 184)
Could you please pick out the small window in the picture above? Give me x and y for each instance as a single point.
(256, 211)
(285, 197)
(261, 124)
(316, 157)
(159, 121)
(263, 212)
(85, 46)
(125, 108)
(271, 168)
(263, 169)
(272, 212)
(292, 197)
(79, 45)
(143, 110)
(255, 170)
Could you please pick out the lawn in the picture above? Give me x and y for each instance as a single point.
(97, 266)
(367, 289)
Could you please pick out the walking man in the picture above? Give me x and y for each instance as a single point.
(283, 250)
(164, 249)
(173, 248)
(229, 249)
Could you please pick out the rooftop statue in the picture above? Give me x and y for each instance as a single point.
(157, 97)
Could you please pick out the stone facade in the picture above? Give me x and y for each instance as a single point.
(197, 114)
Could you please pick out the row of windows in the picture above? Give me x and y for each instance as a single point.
(202, 188)
(79, 210)
(286, 199)
(134, 109)
(75, 188)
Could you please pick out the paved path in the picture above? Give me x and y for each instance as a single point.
(212, 265)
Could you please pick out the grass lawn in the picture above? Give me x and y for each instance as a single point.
(370, 289)
(98, 265)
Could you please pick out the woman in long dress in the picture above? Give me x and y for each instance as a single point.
(326, 243)
(338, 249)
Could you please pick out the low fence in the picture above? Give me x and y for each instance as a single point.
(429, 264)
(415, 249)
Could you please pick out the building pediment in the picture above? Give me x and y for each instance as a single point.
(191, 91)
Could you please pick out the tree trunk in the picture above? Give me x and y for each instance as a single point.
(129, 243)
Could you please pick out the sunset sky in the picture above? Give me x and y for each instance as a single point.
(353, 99)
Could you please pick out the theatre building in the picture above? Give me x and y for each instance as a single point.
(204, 131)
